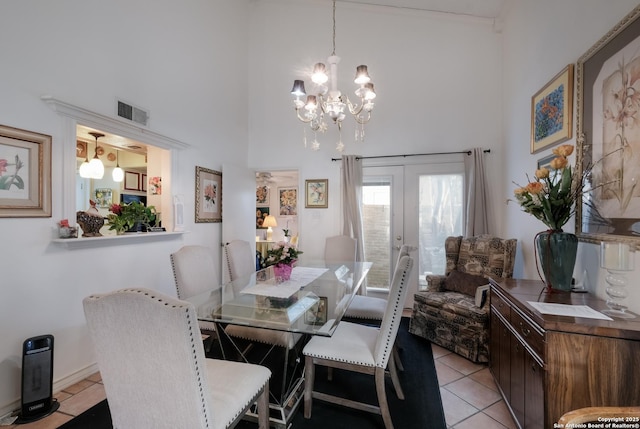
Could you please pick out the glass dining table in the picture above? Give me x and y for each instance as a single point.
(312, 302)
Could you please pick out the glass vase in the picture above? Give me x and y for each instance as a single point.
(557, 256)
(282, 272)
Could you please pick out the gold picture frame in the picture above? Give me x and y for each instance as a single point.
(552, 111)
(316, 193)
(609, 209)
(25, 173)
(208, 195)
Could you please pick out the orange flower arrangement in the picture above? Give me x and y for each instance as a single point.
(551, 196)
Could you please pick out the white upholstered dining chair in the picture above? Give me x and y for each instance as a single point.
(361, 348)
(154, 371)
(194, 273)
(339, 248)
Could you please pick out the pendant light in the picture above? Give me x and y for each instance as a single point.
(85, 170)
(96, 167)
(118, 173)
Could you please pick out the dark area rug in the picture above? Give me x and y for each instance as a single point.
(421, 408)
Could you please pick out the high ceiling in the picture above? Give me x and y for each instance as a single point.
(479, 8)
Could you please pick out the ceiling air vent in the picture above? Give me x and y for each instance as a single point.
(132, 113)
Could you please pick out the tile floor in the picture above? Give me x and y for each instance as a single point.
(470, 397)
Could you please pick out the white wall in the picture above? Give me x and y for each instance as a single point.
(540, 39)
(437, 78)
(172, 58)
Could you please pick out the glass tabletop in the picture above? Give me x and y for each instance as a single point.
(312, 301)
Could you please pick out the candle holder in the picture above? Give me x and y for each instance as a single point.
(617, 259)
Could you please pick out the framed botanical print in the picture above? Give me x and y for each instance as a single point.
(316, 193)
(25, 173)
(288, 201)
(608, 136)
(208, 195)
(262, 196)
(552, 111)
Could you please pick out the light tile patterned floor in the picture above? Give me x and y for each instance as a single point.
(470, 397)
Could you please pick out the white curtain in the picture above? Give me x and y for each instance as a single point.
(352, 202)
(477, 221)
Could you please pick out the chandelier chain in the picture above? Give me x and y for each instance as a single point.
(334, 27)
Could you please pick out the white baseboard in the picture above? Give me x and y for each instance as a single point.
(58, 385)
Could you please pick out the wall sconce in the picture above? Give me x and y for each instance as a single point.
(269, 222)
(96, 167)
(616, 258)
(117, 173)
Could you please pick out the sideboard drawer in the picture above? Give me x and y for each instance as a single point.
(530, 333)
(501, 306)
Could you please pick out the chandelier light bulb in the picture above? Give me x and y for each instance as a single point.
(298, 88)
(362, 75)
(319, 75)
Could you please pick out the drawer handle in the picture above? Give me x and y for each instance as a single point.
(525, 331)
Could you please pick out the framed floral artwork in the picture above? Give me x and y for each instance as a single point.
(155, 185)
(316, 193)
(25, 173)
(261, 213)
(608, 135)
(552, 111)
(208, 195)
(262, 196)
(288, 201)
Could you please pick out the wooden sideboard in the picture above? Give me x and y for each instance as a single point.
(547, 365)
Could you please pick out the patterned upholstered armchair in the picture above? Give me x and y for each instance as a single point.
(447, 313)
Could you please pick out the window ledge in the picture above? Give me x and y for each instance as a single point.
(115, 240)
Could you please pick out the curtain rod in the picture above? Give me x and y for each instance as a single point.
(468, 152)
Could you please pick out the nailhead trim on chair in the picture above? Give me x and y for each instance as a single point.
(193, 346)
(389, 341)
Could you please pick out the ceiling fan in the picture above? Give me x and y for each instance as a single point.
(264, 178)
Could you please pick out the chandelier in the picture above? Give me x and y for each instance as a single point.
(331, 102)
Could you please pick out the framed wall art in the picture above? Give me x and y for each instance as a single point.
(131, 181)
(316, 193)
(546, 161)
(103, 197)
(262, 196)
(608, 136)
(208, 195)
(25, 173)
(288, 201)
(317, 315)
(261, 213)
(552, 111)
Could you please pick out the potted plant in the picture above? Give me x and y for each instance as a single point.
(134, 216)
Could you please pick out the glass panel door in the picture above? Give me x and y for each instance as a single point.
(418, 205)
(382, 217)
(434, 210)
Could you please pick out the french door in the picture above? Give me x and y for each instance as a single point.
(415, 204)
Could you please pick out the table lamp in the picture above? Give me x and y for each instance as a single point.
(269, 222)
(616, 258)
